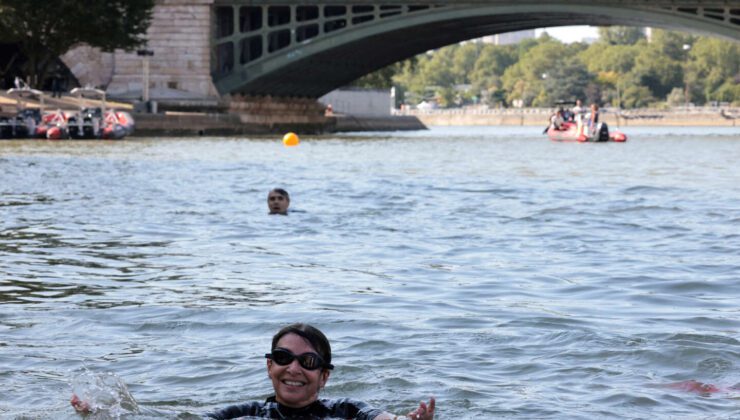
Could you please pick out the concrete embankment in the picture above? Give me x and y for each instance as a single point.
(271, 121)
(243, 115)
(191, 124)
(525, 117)
(346, 123)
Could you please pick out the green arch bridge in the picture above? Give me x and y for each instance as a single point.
(306, 49)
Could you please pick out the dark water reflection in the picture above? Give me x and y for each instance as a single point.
(507, 275)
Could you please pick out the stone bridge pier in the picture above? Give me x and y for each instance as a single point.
(180, 69)
(180, 76)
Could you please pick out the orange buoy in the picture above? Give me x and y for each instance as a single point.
(291, 139)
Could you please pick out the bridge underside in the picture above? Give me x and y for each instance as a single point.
(281, 57)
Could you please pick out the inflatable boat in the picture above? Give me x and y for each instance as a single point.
(98, 122)
(575, 131)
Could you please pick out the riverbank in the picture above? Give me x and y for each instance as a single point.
(199, 124)
(720, 117)
(264, 117)
(237, 117)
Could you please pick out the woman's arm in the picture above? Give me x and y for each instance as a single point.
(423, 412)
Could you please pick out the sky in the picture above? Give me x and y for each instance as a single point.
(570, 33)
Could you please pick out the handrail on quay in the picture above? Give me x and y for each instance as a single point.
(484, 110)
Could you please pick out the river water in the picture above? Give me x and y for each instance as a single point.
(507, 275)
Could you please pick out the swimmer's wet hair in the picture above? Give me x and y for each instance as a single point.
(316, 338)
(281, 192)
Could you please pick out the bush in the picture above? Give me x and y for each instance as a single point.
(677, 97)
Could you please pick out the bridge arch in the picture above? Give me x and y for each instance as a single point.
(300, 50)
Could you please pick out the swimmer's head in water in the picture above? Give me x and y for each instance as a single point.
(278, 201)
(299, 364)
(313, 335)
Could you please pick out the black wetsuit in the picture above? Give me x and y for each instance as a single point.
(342, 408)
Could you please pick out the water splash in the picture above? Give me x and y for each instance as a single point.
(102, 395)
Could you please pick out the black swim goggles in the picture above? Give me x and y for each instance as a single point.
(308, 361)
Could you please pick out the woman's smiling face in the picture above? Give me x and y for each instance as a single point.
(295, 386)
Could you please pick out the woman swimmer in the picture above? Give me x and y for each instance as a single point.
(299, 366)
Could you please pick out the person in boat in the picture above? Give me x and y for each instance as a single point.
(567, 115)
(299, 366)
(576, 111)
(592, 118)
(557, 119)
(278, 201)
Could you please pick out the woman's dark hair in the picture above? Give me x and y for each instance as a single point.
(316, 338)
(283, 193)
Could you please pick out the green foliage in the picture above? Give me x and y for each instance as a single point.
(677, 97)
(621, 35)
(672, 44)
(490, 65)
(463, 61)
(617, 58)
(45, 30)
(622, 69)
(445, 97)
(567, 82)
(530, 77)
(728, 92)
(636, 97)
(715, 66)
(657, 72)
(380, 79)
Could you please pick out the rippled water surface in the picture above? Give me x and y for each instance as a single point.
(509, 276)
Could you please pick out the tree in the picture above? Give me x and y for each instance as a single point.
(672, 43)
(568, 82)
(611, 58)
(45, 30)
(657, 72)
(728, 92)
(432, 71)
(463, 61)
(714, 64)
(636, 96)
(621, 35)
(526, 79)
(489, 67)
(380, 79)
(676, 97)
(541, 71)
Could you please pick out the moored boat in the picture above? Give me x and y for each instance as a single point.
(117, 124)
(23, 124)
(98, 122)
(53, 126)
